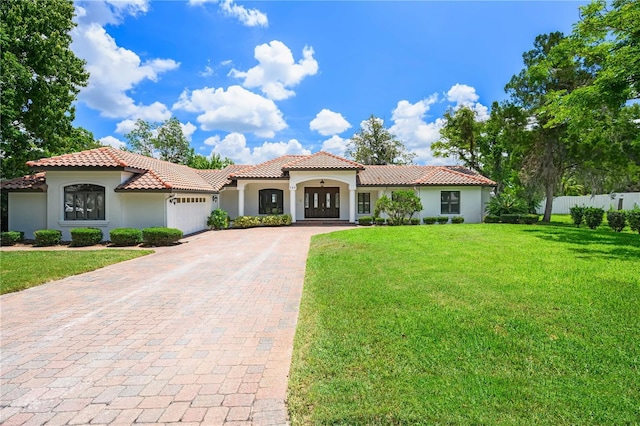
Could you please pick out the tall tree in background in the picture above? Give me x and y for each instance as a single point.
(215, 161)
(140, 139)
(40, 80)
(460, 138)
(373, 144)
(166, 140)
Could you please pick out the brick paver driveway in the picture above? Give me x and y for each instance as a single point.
(199, 333)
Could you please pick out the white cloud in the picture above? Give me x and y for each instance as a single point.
(276, 71)
(328, 123)
(125, 126)
(335, 145)
(108, 11)
(234, 110)
(234, 146)
(113, 142)
(463, 95)
(248, 17)
(188, 130)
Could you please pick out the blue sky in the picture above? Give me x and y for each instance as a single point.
(254, 80)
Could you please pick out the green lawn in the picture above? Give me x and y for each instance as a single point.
(24, 269)
(469, 324)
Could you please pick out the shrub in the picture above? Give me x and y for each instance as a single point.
(510, 218)
(406, 221)
(442, 219)
(271, 220)
(577, 214)
(617, 220)
(82, 237)
(161, 236)
(415, 221)
(123, 237)
(491, 219)
(365, 221)
(402, 205)
(380, 221)
(633, 216)
(429, 220)
(506, 203)
(47, 237)
(593, 216)
(457, 219)
(285, 219)
(10, 238)
(218, 219)
(529, 218)
(243, 222)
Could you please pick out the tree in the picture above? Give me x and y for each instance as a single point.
(402, 204)
(460, 137)
(165, 140)
(214, 162)
(373, 144)
(40, 80)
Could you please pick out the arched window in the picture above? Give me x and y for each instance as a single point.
(270, 201)
(84, 202)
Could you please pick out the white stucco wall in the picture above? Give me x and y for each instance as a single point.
(251, 194)
(27, 212)
(228, 199)
(344, 180)
(142, 210)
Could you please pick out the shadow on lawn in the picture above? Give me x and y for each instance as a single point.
(620, 245)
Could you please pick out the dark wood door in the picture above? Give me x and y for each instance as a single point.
(322, 202)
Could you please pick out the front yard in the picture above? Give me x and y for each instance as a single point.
(469, 324)
(23, 269)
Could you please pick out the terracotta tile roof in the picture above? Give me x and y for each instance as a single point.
(323, 160)
(156, 174)
(420, 175)
(271, 169)
(35, 182)
(219, 178)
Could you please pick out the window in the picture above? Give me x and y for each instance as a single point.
(364, 203)
(84, 202)
(270, 201)
(450, 202)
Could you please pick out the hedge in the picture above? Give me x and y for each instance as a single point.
(510, 218)
(457, 219)
(380, 221)
(161, 236)
(443, 219)
(415, 221)
(11, 237)
(617, 220)
(365, 221)
(429, 220)
(83, 237)
(593, 216)
(529, 218)
(123, 237)
(47, 237)
(577, 214)
(633, 216)
(491, 219)
(243, 222)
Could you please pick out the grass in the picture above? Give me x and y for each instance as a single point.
(469, 324)
(23, 269)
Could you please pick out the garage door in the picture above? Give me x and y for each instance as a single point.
(189, 213)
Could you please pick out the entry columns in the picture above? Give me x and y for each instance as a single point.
(292, 202)
(240, 199)
(352, 205)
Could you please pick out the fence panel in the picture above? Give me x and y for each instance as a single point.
(625, 201)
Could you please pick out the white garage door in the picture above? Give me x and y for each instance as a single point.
(189, 212)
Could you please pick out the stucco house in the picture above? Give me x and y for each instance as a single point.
(108, 188)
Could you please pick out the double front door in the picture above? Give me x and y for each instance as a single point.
(322, 202)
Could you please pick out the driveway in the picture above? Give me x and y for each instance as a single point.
(200, 333)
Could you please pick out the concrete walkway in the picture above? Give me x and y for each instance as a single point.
(200, 333)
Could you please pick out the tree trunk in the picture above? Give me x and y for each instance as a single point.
(549, 203)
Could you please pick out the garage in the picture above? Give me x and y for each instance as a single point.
(189, 212)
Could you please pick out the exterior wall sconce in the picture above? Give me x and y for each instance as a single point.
(172, 199)
(322, 182)
(214, 198)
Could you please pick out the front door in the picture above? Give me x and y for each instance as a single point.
(322, 202)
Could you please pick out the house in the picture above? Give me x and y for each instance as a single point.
(108, 188)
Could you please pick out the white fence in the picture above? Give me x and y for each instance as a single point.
(624, 201)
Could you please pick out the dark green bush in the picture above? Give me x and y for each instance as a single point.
(161, 236)
(380, 221)
(429, 220)
(285, 219)
(11, 237)
(415, 221)
(365, 221)
(491, 219)
(243, 222)
(443, 219)
(83, 237)
(593, 217)
(218, 219)
(406, 221)
(633, 217)
(123, 237)
(506, 202)
(617, 220)
(47, 237)
(510, 218)
(577, 214)
(529, 218)
(457, 219)
(271, 220)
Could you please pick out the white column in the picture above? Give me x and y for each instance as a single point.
(292, 203)
(352, 205)
(240, 200)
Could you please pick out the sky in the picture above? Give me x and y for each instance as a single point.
(255, 80)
